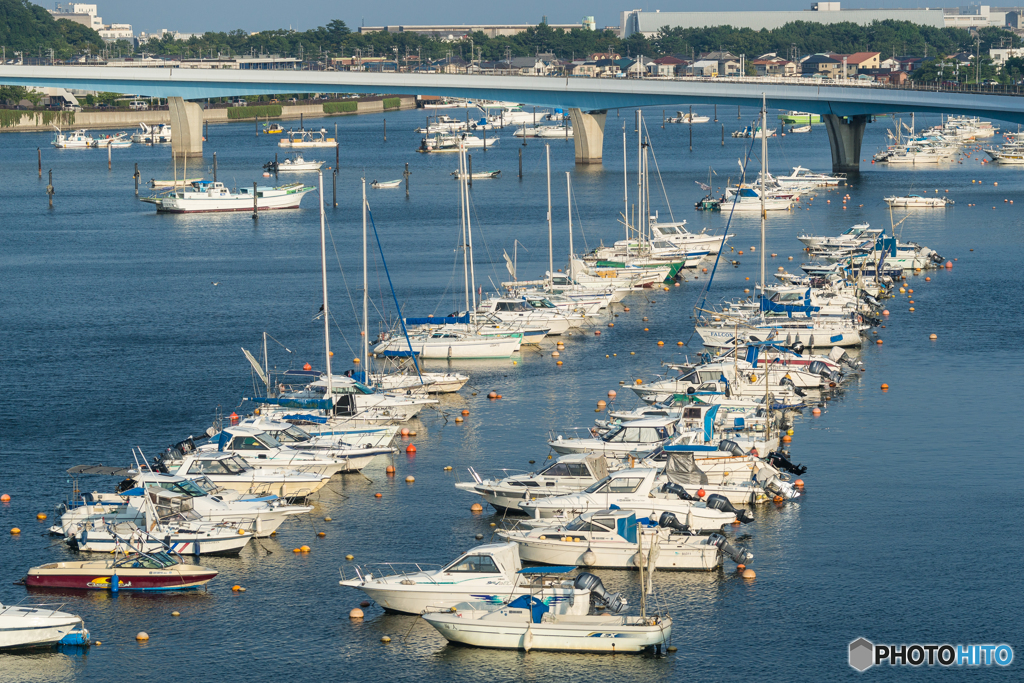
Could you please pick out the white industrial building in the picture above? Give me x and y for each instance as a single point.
(88, 15)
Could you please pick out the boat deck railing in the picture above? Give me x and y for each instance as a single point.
(379, 570)
(31, 609)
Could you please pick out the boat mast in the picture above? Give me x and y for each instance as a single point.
(366, 293)
(625, 187)
(266, 367)
(469, 241)
(640, 566)
(639, 174)
(568, 194)
(323, 276)
(764, 173)
(462, 217)
(551, 239)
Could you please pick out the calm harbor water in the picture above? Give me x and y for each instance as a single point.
(113, 335)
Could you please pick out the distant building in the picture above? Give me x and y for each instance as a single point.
(458, 32)
(821, 65)
(775, 66)
(88, 15)
(1000, 55)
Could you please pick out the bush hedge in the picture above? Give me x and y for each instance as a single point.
(340, 107)
(262, 111)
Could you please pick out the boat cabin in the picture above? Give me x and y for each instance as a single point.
(642, 431)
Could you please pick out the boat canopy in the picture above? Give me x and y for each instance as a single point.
(682, 469)
(306, 403)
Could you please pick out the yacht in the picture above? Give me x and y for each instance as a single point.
(532, 311)
(293, 164)
(544, 132)
(159, 133)
(567, 474)
(452, 345)
(490, 573)
(230, 471)
(850, 237)
(917, 201)
(804, 176)
(126, 571)
(207, 197)
(634, 439)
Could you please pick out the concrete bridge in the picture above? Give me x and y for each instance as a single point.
(844, 109)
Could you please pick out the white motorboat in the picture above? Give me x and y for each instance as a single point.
(567, 474)
(452, 142)
(531, 311)
(452, 345)
(176, 532)
(313, 437)
(76, 139)
(490, 573)
(230, 471)
(304, 139)
(117, 141)
(345, 397)
(687, 117)
(208, 197)
(528, 624)
(917, 201)
(385, 184)
(159, 133)
(641, 490)
(479, 175)
(851, 237)
(748, 200)
(544, 132)
(614, 539)
(410, 379)
(804, 176)
(636, 439)
(28, 626)
(294, 164)
(678, 235)
(801, 129)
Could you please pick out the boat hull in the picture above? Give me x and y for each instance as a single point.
(697, 555)
(67, 575)
(34, 630)
(193, 544)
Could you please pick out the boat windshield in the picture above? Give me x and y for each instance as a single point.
(230, 465)
(206, 485)
(580, 524)
(236, 465)
(186, 487)
(151, 561)
(593, 488)
(541, 303)
(292, 435)
(566, 469)
(473, 564)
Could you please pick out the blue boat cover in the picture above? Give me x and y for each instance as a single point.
(137, 491)
(546, 570)
(709, 422)
(308, 403)
(399, 354)
(307, 418)
(689, 448)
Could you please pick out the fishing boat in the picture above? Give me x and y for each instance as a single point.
(76, 139)
(30, 626)
(688, 117)
(159, 133)
(567, 474)
(490, 573)
(479, 175)
(613, 538)
(273, 129)
(303, 139)
(293, 164)
(126, 571)
(385, 184)
(917, 201)
(527, 624)
(209, 197)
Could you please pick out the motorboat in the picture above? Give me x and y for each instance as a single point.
(294, 164)
(490, 573)
(176, 528)
(76, 139)
(636, 439)
(303, 139)
(756, 132)
(851, 237)
(232, 472)
(615, 539)
(641, 490)
(544, 132)
(688, 117)
(452, 345)
(804, 176)
(30, 626)
(478, 175)
(527, 624)
(117, 141)
(801, 129)
(212, 196)
(532, 311)
(748, 200)
(344, 397)
(676, 233)
(409, 378)
(451, 142)
(810, 332)
(311, 437)
(126, 571)
(567, 474)
(385, 184)
(159, 133)
(917, 201)
(273, 129)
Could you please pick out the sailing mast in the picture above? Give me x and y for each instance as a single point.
(323, 275)
(551, 239)
(469, 240)
(366, 295)
(568, 195)
(266, 366)
(625, 187)
(760, 303)
(462, 217)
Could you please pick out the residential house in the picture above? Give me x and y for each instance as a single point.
(668, 66)
(891, 64)
(598, 56)
(451, 65)
(821, 65)
(728, 63)
(705, 68)
(608, 68)
(586, 69)
(859, 61)
(530, 66)
(910, 64)
(775, 66)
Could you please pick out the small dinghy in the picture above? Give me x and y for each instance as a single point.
(482, 175)
(126, 571)
(385, 184)
(800, 129)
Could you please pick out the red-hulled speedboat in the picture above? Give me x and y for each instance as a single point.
(132, 572)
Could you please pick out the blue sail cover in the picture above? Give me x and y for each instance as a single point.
(438, 321)
(709, 422)
(304, 403)
(769, 306)
(886, 244)
(398, 354)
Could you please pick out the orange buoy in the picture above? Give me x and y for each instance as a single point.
(476, 507)
(911, 308)
(558, 362)
(234, 418)
(949, 264)
(639, 381)
(41, 516)
(307, 367)
(778, 499)
(493, 394)
(405, 431)
(799, 483)
(701, 493)
(411, 448)
(679, 343)
(661, 343)
(626, 309)
(354, 360)
(5, 498)
(236, 587)
(296, 550)
(816, 411)
(378, 495)
(611, 324)
(885, 387)
(601, 404)
(597, 333)
(885, 312)
(927, 279)
(499, 396)
(390, 469)
(878, 341)
(787, 438)
(355, 614)
(322, 534)
(459, 418)
(465, 412)
(611, 392)
(15, 531)
(749, 574)
(933, 336)
(304, 548)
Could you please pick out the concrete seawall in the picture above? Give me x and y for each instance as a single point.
(125, 120)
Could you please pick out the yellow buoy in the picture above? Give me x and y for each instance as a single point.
(41, 515)
(349, 558)
(304, 548)
(749, 574)
(327, 519)
(661, 343)
(236, 588)
(476, 507)
(933, 336)
(321, 534)
(385, 640)
(410, 479)
(355, 614)
(15, 530)
(175, 614)
(141, 635)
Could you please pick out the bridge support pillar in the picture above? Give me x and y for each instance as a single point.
(186, 128)
(588, 135)
(845, 134)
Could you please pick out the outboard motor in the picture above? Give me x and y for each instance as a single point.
(739, 554)
(780, 462)
(672, 487)
(730, 446)
(775, 486)
(719, 502)
(785, 381)
(797, 347)
(818, 368)
(871, 300)
(588, 582)
(670, 521)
